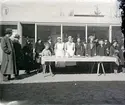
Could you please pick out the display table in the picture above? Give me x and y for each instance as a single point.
(99, 59)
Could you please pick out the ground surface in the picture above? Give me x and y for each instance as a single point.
(67, 89)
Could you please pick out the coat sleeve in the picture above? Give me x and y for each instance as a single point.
(94, 50)
(97, 51)
(4, 47)
(111, 51)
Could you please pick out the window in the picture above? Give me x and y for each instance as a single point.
(99, 32)
(3, 28)
(116, 33)
(74, 31)
(43, 32)
(28, 32)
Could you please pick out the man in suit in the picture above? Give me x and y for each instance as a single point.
(8, 66)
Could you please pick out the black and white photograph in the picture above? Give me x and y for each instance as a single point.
(62, 52)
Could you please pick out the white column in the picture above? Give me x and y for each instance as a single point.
(19, 31)
(61, 32)
(86, 33)
(110, 33)
(35, 32)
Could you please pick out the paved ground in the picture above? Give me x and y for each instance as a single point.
(65, 89)
(39, 78)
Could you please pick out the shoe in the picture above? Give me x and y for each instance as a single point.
(52, 74)
(5, 79)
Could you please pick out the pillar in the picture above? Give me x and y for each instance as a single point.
(86, 33)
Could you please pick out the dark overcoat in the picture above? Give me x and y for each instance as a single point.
(79, 49)
(101, 51)
(8, 65)
(18, 54)
(113, 51)
(91, 51)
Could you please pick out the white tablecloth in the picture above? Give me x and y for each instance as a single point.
(80, 59)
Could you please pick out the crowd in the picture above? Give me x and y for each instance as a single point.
(15, 57)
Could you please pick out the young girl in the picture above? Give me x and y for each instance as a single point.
(46, 52)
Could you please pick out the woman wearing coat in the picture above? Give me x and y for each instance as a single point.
(79, 48)
(39, 46)
(101, 48)
(8, 66)
(28, 56)
(91, 47)
(18, 52)
(114, 52)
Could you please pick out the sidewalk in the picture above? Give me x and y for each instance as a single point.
(39, 78)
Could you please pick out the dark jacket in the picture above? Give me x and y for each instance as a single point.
(38, 48)
(8, 65)
(79, 49)
(18, 53)
(121, 56)
(113, 51)
(107, 48)
(28, 56)
(91, 51)
(101, 50)
(51, 48)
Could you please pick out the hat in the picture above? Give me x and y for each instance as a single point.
(91, 37)
(8, 31)
(58, 38)
(17, 36)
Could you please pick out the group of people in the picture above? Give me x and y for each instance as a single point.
(15, 57)
(94, 47)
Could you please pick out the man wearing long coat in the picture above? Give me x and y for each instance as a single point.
(8, 66)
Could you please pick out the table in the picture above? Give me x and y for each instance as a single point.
(99, 59)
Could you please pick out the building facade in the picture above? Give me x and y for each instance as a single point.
(38, 20)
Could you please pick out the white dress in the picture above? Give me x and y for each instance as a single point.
(70, 49)
(59, 51)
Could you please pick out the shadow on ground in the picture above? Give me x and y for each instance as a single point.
(65, 93)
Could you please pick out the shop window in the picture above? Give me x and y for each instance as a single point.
(117, 34)
(74, 31)
(28, 33)
(3, 28)
(99, 32)
(43, 32)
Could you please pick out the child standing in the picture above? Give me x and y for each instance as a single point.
(46, 52)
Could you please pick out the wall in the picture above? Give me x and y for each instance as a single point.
(50, 12)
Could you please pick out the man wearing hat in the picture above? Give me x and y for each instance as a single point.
(8, 66)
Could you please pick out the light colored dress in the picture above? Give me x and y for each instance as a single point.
(45, 52)
(59, 49)
(70, 49)
(59, 52)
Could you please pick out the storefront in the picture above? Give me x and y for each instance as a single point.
(43, 31)
(40, 20)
